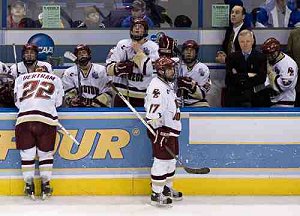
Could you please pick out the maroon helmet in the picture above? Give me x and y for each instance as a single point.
(141, 22)
(82, 47)
(162, 64)
(271, 45)
(30, 46)
(190, 44)
(167, 46)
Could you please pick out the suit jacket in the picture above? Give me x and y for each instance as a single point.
(239, 84)
(225, 43)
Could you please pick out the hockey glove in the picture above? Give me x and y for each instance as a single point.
(124, 68)
(187, 83)
(80, 102)
(7, 94)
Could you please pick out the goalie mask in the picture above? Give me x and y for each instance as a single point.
(189, 51)
(29, 54)
(271, 48)
(139, 29)
(83, 54)
(165, 68)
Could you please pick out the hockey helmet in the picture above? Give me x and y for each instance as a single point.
(190, 44)
(29, 60)
(270, 46)
(162, 64)
(139, 21)
(83, 60)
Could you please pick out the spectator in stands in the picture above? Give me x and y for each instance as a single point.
(17, 16)
(248, 17)
(138, 10)
(182, 21)
(295, 16)
(293, 49)
(230, 43)
(158, 14)
(246, 72)
(274, 13)
(91, 19)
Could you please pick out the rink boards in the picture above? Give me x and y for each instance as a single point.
(249, 152)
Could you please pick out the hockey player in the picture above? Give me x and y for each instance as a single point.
(37, 95)
(194, 77)
(163, 115)
(85, 83)
(130, 62)
(282, 73)
(30, 62)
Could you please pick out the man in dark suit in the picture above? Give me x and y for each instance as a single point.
(230, 43)
(246, 72)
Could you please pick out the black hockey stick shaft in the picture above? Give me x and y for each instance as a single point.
(203, 170)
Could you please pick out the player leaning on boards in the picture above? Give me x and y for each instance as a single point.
(282, 73)
(29, 61)
(162, 113)
(85, 83)
(37, 95)
(130, 64)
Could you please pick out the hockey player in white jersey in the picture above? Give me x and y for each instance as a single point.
(194, 77)
(131, 64)
(282, 73)
(162, 113)
(29, 61)
(37, 95)
(85, 83)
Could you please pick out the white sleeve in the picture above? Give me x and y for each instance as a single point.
(154, 105)
(17, 101)
(67, 81)
(288, 79)
(205, 82)
(59, 93)
(13, 70)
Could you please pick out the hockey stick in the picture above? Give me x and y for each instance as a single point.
(69, 55)
(68, 134)
(203, 170)
(15, 58)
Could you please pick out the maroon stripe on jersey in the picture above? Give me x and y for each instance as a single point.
(37, 112)
(49, 161)
(30, 162)
(159, 178)
(276, 83)
(119, 85)
(145, 66)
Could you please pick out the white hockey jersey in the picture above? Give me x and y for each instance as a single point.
(37, 95)
(92, 84)
(161, 106)
(285, 74)
(22, 69)
(142, 72)
(200, 73)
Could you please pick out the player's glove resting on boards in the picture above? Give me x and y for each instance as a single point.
(187, 83)
(124, 68)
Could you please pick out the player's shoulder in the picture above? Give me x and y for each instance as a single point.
(123, 42)
(201, 66)
(71, 70)
(151, 44)
(98, 67)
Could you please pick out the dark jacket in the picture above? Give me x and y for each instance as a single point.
(229, 30)
(240, 86)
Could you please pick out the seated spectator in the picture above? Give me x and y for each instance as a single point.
(158, 14)
(138, 10)
(295, 16)
(275, 13)
(116, 16)
(182, 21)
(91, 19)
(17, 16)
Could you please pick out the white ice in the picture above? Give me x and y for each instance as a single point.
(139, 206)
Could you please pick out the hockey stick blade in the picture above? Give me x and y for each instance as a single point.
(202, 170)
(69, 55)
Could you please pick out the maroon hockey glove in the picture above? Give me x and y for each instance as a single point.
(80, 102)
(166, 46)
(187, 83)
(124, 68)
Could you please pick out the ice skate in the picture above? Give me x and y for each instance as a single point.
(158, 199)
(46, 190)
(173, 194)
(29, 190)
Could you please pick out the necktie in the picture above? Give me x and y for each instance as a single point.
(246, 55)
(230, 47)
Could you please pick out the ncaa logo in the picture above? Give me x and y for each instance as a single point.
(45, 44)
